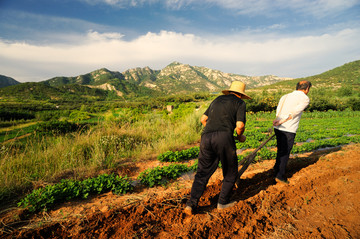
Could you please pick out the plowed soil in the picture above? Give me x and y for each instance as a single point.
(321, 201)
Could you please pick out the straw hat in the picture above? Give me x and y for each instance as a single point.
(237, 87)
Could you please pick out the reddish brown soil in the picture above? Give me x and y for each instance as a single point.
(321, 201)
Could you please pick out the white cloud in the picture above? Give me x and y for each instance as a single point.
(120, 3)
(173, 4)
(95, 36)
(178, 4)
(284, 56)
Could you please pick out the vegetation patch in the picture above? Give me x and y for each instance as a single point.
(46, 197)
(178, 156)
(161, 175)
(58, 127)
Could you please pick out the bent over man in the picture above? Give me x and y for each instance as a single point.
(224, 115)
(288, 111)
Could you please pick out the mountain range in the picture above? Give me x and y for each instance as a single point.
(176, 78)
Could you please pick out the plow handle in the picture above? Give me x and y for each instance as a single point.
(250, 158)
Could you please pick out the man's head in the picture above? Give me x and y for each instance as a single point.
(303, 86)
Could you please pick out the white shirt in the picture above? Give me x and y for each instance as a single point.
(292, 104)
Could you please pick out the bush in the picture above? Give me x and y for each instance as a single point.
(8, 115)
(58, 127)
(354, 103)
(321, 105)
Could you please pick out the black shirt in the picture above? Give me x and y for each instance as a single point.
(224, 112)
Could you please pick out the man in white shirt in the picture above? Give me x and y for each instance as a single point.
(288, 114)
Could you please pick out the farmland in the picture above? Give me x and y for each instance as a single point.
(133, 135)
(78, 161)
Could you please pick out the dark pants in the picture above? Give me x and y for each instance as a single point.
(285, 142)
(215, 147)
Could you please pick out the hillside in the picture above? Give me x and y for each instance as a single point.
(348, 74)
(40, 91)
(97, 77)
(7, 81)
(345, 75)
(103, 79)
(175, 78)
(183, 78)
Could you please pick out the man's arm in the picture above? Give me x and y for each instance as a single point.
(240, 128)
(278, 122)
(295, 112)
(300, 107)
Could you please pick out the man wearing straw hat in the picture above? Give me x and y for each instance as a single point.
(224, 115)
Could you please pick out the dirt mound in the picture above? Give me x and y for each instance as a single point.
(321, 201)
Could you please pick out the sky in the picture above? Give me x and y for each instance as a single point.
(41, 39)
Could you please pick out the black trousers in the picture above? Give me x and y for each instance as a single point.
(284, 142)
(215, 147)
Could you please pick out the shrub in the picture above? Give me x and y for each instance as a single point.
(58, 127)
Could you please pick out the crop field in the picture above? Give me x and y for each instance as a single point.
(34, 155)
(318, 130)
(149, 202)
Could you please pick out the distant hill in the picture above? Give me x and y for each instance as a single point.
(103, 79)
(347, 75)
(183, 78)
(97, 77)
(40, 91)
(7, 81)
(175, 78)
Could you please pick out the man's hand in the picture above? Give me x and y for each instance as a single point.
(204, 119)
(277, 122)
(241, 138)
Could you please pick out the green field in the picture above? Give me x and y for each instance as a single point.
(72, 132)
(76, 150)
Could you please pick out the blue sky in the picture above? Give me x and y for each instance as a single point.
(41, 39)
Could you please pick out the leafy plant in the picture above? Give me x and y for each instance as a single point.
(47, 197)
(178, 156)
(161, 175)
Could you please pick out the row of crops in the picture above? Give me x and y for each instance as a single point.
(317, 130)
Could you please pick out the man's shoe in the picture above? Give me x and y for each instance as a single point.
(224, 206)
(284, 181)
(188, 210)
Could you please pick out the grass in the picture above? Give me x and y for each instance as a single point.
(27, 164)
(17, 126)
(16, 131)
